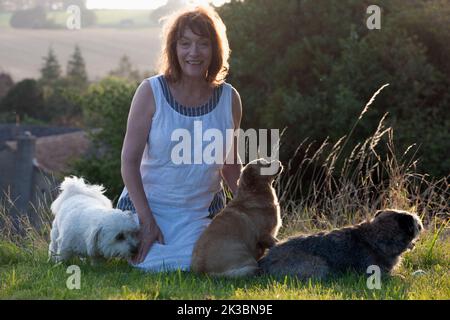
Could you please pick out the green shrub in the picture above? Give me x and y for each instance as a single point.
(25, 98)
(105, 108)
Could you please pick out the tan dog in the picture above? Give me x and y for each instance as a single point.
(238, 236)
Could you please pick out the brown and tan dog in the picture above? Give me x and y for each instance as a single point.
(238, 236)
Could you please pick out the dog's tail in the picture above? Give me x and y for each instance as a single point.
(73, 186)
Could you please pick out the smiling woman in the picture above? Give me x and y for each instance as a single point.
(174, 201)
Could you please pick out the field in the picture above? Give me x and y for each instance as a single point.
(110, 18)
(105, 18)
(22, 50)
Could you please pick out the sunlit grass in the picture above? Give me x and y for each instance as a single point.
(24, 276)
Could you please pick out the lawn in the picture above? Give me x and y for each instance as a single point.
(25, 273)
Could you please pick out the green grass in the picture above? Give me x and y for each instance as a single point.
(26, 274)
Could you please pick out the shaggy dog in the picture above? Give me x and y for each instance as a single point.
(237, 237)
(86, 224)
(379, 242)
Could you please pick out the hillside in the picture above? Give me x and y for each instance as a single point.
(21, 50)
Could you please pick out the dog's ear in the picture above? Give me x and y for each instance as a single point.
(406, 223)
(93, 246)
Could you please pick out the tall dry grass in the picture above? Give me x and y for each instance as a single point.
(29, 230)
(329, 185)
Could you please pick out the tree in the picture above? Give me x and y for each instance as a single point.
(76, 69)
(6, 83)
(51, 69)
(105, 107)
(25, 99)
(125, 70)
(50, 4)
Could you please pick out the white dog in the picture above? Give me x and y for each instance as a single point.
(87, 225)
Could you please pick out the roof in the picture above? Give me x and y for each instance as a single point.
(8, 131)
(54, 153)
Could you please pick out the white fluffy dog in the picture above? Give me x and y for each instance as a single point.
(87, 225)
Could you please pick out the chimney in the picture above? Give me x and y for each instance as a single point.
(23, 177)
(16, 130)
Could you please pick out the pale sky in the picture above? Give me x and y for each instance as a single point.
(141, 4)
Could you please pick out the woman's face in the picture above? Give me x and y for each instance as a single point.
(194, 54)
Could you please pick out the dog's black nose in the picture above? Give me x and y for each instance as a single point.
(134, 250)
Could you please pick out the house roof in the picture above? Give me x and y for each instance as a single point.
(9, 131)
(54, 153)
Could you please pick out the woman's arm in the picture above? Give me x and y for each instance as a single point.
(231, 171)
(138, 128)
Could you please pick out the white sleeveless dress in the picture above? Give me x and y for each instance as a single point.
(182, 196)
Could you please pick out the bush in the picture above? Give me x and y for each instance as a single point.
(105, 107)
(24, 99)
(60, 103)
(6, 83)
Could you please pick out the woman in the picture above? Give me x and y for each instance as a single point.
(174, 201)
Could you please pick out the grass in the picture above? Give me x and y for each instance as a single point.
(342, 188)
(27, 274)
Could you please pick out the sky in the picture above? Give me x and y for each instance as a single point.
(140, 4)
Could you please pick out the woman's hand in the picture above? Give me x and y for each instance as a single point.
(149, 233)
